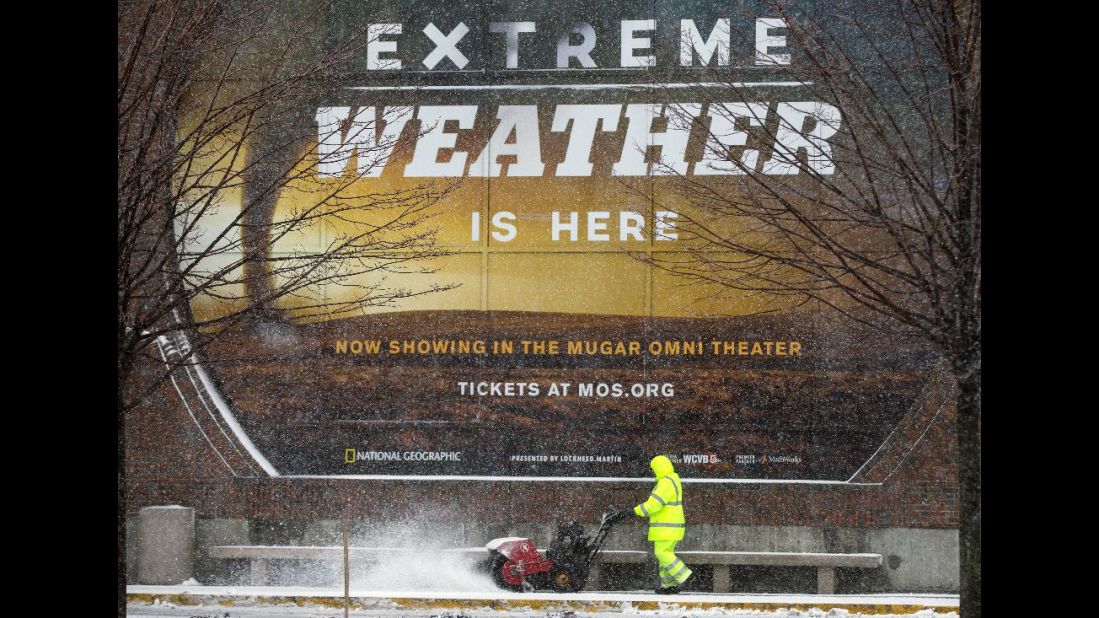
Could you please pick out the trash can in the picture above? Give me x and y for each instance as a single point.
(165, 545)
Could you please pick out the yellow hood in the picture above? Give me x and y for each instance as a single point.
(662, 466)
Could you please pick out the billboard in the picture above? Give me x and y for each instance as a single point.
(561, 154)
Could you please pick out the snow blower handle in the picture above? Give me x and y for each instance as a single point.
(610, 517)
(614, 515)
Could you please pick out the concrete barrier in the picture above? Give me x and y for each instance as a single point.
(209, 532)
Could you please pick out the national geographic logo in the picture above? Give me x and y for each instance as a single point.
(351, 455)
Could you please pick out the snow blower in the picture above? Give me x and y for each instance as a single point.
(517, 565)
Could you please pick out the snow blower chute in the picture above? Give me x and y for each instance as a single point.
(517, 565)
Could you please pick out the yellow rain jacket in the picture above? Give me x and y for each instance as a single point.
(664, 508)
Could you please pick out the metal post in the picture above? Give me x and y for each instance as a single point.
(346, 572)
(722, 578)
(826, 580)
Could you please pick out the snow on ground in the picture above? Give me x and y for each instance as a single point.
(168, 609)
(279, 601)
(946, 601)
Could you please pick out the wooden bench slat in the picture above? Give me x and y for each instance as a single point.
(313, 552)
(860, 561)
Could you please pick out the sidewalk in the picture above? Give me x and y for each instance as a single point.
(603, 602)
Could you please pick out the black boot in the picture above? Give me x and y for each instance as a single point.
(669, 590)
(677, 588)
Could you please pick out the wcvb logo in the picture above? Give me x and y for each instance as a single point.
(706, 458)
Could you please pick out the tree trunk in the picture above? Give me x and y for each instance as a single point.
(969, 452)
(260, 196)
(124, 369)
(275, 147)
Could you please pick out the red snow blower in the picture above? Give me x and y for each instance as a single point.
(517, 565)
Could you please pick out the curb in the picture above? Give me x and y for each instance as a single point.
(577, 605)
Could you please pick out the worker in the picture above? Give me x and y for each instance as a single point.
(667, 524)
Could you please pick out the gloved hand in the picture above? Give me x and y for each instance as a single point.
(623, 514)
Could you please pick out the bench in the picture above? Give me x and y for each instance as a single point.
(259, 555)
(825, 563)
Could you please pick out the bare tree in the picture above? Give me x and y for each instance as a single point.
(217, 99)
(217, 105)
(875, 212)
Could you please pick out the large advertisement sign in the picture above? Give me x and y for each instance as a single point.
(547, 333)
